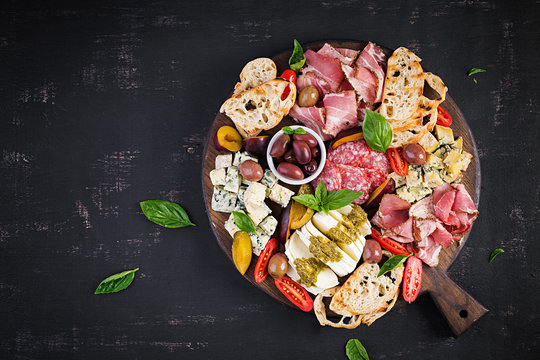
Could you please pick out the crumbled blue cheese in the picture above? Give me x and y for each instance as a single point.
(258, 213)
(254, 195)
(241, 192)
(413, 194)
(269, 225)
(240, 157)
(269, 179)
(217, 176)
(280, 195)
(398, 180)
(223, 200)
(414, 176)
(230, 226)
(258, 241)
(223, 161)
(233, 180)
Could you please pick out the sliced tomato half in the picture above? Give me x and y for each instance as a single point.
(443, 117)
(289, 75)
(412, 279)
(295, 293)
(394, 247)
(261, 269)
(399, 164)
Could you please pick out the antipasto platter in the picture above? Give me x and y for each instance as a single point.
(341, 178)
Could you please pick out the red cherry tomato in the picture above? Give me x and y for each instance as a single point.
(399, 164)
(412, 279)
(286, 93)
(443, 117)
(261, 269)
(289, 75)
(394, 247)
(295, 293)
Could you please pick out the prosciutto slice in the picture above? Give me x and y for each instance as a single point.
(429, 253)
(369, 58)
(309, 78)
(340, 112)
(312, 117)
(363, 82)
(325, 67)
(350, 53)
(393, 211)
(330, 51)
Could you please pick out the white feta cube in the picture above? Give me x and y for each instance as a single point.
(233, 180)
(281, 195)
(222, 200)
(223, 161)
(269, 225)
(258, 213)
(217, 176)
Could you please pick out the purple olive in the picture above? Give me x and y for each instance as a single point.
(289, 157)
(290, 171)
(308, 138)
(311, 167)
(302, 152)
(315, 152)
(280, 145)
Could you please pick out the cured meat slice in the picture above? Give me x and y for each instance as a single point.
(402, 233)
(362, 81)
(350, 153)
(309, 78)
(444, 205)
(325, 67)
(350, 53)
(393, 211)
(377, 176)
(429, 253)
(376, 160)
(377, 53)
(312, 117)
(442, 236)
(355, 179)
(330, 51)
(346, 86)
(330, 175)
(423, 209)
(341, 112)
(463, 202)
(369, 58)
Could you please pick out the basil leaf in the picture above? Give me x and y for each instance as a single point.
(377, 131)
(355, 350)
(308, 200)
(287, 130)
(474, 79)
(243, 222)
(297, 60)
(494, 254)
(116, 282)
(300, 131)
(340, 198)
(393, 263)
(165, 213)
(474, 71)
(321, 192)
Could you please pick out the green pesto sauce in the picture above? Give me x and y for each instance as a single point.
(324, 249)
(308, 270)
(357, 215)
(340, 235)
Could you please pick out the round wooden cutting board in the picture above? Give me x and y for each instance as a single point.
(458, 307)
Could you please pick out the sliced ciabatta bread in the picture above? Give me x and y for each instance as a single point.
(403, 88)
(260, 108)
(255, 73)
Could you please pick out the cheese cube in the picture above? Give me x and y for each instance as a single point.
(280, 195)
(429, 142)
(414, 176)
(432, 179)
(466, 160)
(245, 181)
(222, 200)
(258, 213)
(223, 161)
(420, 192)
(269, 179)
(217, 176)
(458, 144)
(230, 226)
(241, 192)
(398, 180)
(403, 193)
(233, 180)
(444, 134)
(254, 195)
(240, 157)
(269, 225)
(258, 241)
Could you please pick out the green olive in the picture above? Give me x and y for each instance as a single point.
(308, 96)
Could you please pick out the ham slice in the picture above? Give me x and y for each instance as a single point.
(341, 112)
(423, 209)
(362, 81)
(393, 211)
(429, 253)
(442, 236)
(325, 67)
(377, 53)
(312, 117)
(309, 78)
(369, 58)
(350, 53)
(345, 86)
(402, 233)
(443, 199)
(330, 51)
(463, 202)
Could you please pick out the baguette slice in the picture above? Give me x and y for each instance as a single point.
(255, 73)
(260, 108)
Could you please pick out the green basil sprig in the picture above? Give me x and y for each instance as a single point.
(324, 200)
(165, 213)
(243, 222)
(494, 254)
(392, 263)
(297, 59)
(289, 131)
(377, 131)
(475, 71)
(116, 282)
(355, 350)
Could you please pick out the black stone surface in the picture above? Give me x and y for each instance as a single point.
(107, 103)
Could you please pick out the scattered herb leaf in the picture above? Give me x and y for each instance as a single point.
(326, 201)
(116, 282)
(475, 71)
(297, 59)
(355, 350)
(299, 131)
(165, 213)
(474, 79)
(340, 198)
(494, 254)
(243, 222)
(393, 263)
(377, 131)
(287, 130)
(309, 200)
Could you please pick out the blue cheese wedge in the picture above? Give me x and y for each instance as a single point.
(280, 195)
(269, 179)
(217, 176)
(258, 213)
(414, 176)
(258, 241)
(269, 225)
(233, 180)
(240, 157)
(230, 226)
(223, 200)
(254, 195)
(223, 161)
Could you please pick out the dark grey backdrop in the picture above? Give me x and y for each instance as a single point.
(105, 104)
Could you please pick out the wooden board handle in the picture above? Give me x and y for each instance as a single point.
(459, 308)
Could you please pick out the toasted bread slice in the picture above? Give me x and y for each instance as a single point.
(255, 73)
(260, 108)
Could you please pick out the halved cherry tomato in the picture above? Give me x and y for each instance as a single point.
(399, 164)
(286, 93)
(443, 117)
(289, 75)
(393, 246)
(294, 292)
(412, 279)
(261, 269)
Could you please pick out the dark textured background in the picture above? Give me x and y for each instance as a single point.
(105, 104)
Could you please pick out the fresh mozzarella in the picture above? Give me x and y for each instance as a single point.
(364, 228)
(361, 240)
(325, 223)
(291, 272)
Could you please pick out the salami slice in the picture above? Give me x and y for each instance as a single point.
(330, 175)
(355, 179)
(350, 153)
(376, 177)
(376, 160)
